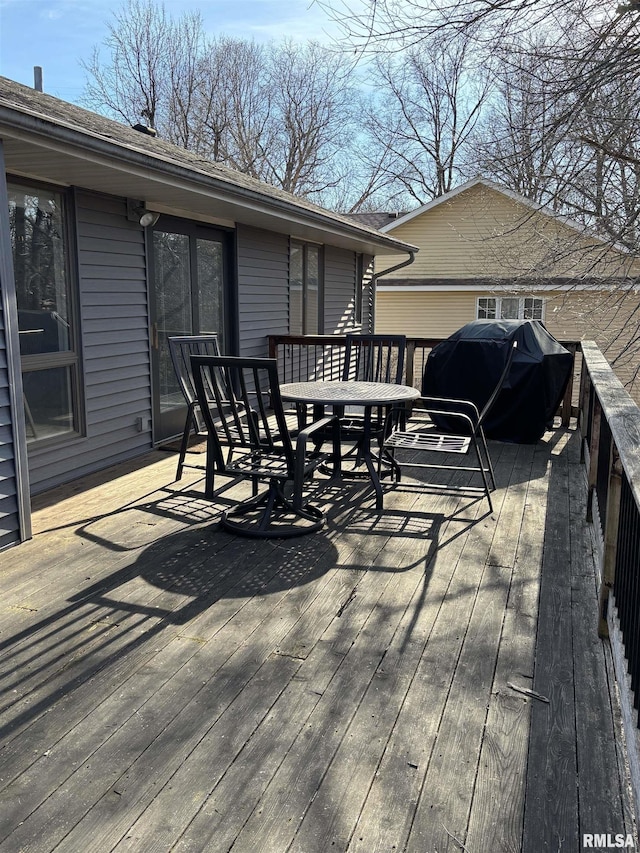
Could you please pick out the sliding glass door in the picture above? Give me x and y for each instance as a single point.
(189, 267)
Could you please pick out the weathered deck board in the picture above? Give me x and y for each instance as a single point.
(497, 808)
(388, 813)
(166, 686)
(551, 814)
(163, 701)
(473, 613)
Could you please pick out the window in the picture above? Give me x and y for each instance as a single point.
(533, 309)
(46, 321)
(510, 308)
(304, 289)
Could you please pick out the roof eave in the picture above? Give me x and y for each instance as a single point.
(157, 172)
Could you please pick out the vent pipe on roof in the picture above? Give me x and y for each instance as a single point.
(37, 78)
(143, 128)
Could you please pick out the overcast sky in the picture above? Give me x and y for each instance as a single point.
(58, 34)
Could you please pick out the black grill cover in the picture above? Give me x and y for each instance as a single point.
(469, 363)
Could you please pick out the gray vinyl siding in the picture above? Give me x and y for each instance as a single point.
(368, 296)
(263, 288)
(339, 290)
(15, 522)
(9, 518)
(115, 361)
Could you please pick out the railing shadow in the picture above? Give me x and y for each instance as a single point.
(160, 588)
(573, 778)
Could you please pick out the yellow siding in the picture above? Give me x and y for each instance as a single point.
(423, 315)
(482, 233)
(610, 319)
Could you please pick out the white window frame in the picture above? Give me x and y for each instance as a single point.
(522, 300)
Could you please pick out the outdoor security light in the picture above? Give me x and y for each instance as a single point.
(137, 212)
(148, 217)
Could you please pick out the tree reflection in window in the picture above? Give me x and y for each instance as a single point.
(49, 360)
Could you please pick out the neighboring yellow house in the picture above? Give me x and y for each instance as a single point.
(487, 252)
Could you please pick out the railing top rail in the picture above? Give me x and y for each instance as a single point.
(340, 340)
(309, 340)
(620, 410)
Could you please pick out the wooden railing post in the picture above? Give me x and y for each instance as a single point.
(568, 394)
(584, 404)
(411, 353)
(594, 447)
(610, 540)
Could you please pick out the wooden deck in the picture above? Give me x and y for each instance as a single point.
(168, 687)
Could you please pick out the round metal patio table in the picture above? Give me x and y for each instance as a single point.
(341, 393)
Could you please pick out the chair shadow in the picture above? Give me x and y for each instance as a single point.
(161, 584)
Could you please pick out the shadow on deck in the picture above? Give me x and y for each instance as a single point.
(428, 678)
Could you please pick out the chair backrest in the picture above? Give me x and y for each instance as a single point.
(181, 349)
(501, 381)
(375, 358)
(245, 408)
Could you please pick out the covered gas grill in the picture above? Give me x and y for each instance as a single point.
(468, 364)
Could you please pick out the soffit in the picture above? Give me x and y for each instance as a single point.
(170, 188)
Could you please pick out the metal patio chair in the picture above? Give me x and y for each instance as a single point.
(450, 426)
(248, 437)
(371, 358)
(181, 348)
(375, 358)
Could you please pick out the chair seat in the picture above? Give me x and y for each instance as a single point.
(436, 442)
(266, 465)
(430, 412)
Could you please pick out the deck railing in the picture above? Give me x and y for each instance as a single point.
(610, 432)
(322, 357)
(610, 426)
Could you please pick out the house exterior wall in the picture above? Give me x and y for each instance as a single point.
(423, 314)
(483, 233)
(484, 242)
(115, 357)
(263, 294)
(112, 315)
(608, 319)
(15, 515)
(368, 294)
(9, 520)
(114, 326)
(263, 288)
(339, 290)
(9, 501)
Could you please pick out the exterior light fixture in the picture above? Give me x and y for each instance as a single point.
(137, 212)
(148, 217)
